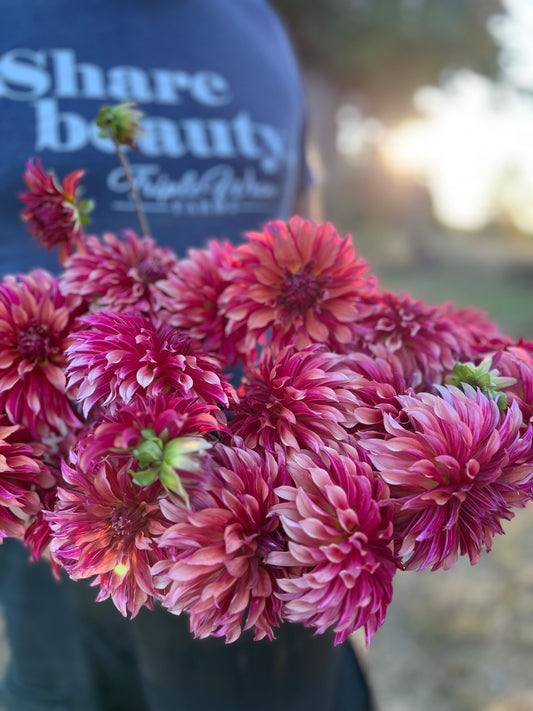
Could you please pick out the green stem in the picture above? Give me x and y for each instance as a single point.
(143, 222)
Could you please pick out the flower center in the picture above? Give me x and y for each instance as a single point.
(125, 521)
(151, 270)
(299, 291)
(35, 343)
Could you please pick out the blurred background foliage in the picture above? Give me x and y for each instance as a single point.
(420, 117)
(385, 49)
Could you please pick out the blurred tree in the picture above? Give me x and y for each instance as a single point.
(385, 49)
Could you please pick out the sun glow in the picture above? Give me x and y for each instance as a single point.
(472, 149)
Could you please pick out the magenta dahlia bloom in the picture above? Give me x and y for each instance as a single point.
(516, 361)
(122, 355)
(115, 274)
(456, 466)
(54, 214)
(22, 470)
(479, 334)
(423, 338)
(299, 280)
(377, 388)
(38, 533)
(297, 400)
(341, 561)
(193, 293)
(35, 324)
(167, 436)
(169, 417)
(215, 567)
(104, 527)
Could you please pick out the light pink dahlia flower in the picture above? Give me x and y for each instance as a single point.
(216, 553)
(119, 274)
(122, 355)
(104, 527)
(35, 324)
(297, 400)
(456, 466)
(298, 279)
(340, 559)
(54, 214)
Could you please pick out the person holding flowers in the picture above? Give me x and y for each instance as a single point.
(220, 152)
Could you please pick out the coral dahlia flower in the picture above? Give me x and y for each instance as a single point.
(104, 527)
(35, 324)
(339, 526)
(122, 355)
(215, 567)
(54, 214)
(297, 400)
(119, 274)
(456, 466)
(298, 279)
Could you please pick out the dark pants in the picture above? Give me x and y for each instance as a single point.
(71, 654)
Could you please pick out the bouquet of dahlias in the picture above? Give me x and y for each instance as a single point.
(370, 432)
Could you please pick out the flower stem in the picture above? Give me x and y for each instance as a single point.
(143, 222)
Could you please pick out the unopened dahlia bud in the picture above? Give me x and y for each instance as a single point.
(120, 123)
(163, 461)
(490, 382)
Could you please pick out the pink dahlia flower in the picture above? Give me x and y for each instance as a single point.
(123, 355)
(168, 417)
(216, 553)
(456, 466)
(21, 471)
(516, 361)
(119, 274)
(298, 279)
(167, 436)
(104, 527)
(35, 324)
(54, 214)
(193, 293)
(425, 341)
(340, 558)
(479, 335)
(297, 400)
(38, 533)
(377, 388)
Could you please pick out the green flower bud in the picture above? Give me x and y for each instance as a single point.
(120, 123)
(490, 382)
(164, 461)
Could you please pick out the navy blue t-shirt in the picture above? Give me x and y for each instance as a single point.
(222, 150)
